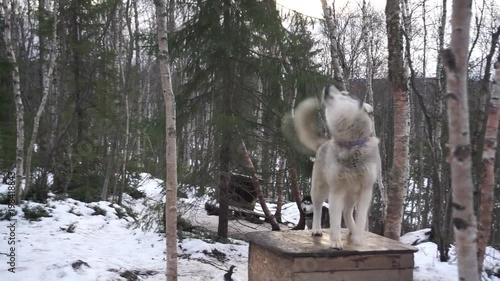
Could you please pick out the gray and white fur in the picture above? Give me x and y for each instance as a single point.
(346, 165)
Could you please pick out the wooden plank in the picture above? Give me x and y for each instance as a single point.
(301, 243)
(265, 265)
(363, 275)
(357, 262)
(386, 242)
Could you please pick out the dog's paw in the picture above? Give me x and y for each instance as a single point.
(336, 245)
(317, 232)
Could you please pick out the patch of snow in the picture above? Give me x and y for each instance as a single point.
(428, 267)
(152, 187)
(416, 237)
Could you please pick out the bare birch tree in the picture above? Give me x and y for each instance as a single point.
(455, 61)
(171, 146)
(439, 210)
(399, 88)
(137, 50)
(48, 61)
(488, 170)
(11, 56)
(338, 72)
(367, 42)
(280, 182)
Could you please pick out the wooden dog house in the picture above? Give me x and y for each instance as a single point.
(299, 256)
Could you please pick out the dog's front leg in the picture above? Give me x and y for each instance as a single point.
(336, 202)
(316, 224)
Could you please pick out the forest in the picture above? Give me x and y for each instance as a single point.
(84, 87)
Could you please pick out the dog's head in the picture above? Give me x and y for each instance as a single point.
(347, 116)
(306, 205)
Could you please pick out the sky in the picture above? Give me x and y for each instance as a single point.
(313, 7)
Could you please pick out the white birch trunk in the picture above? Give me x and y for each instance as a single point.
(109, 169)
(405, 13)
(455, 62)
(488, 169)
(171, 146)
(125, 78)
(48, 63)
(367, 41)
(399, 88)
(260, 131)
(141, 92)
(125, 151)
(438, 99)
(338, 72)
(11, 56)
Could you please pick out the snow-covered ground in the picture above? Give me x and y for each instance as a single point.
(80, 242)
(106, 247)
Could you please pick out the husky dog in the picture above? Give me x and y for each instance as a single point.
(346, 165)
(307, 206)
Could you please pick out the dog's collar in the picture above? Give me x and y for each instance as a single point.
(351, 144)
(309, 215)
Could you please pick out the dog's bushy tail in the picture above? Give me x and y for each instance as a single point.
(305, 122)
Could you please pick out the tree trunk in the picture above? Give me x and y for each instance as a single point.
(125, 149)
(137, 50)
(171, 145)
(438, 184)
(47, 70)
(296, 196)
(226, 133)
(280, 180)
(11, 56)
(455, 61)
(420, 127)
(110, 168)
(247, 163)
(75, 35)
(399, 88)
(367, 41)
(420, 174)
(53, 119)
(480, 120)
(338, 72)
(488, 170)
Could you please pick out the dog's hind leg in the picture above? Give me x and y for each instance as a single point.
(336, 202)
(362, 207)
